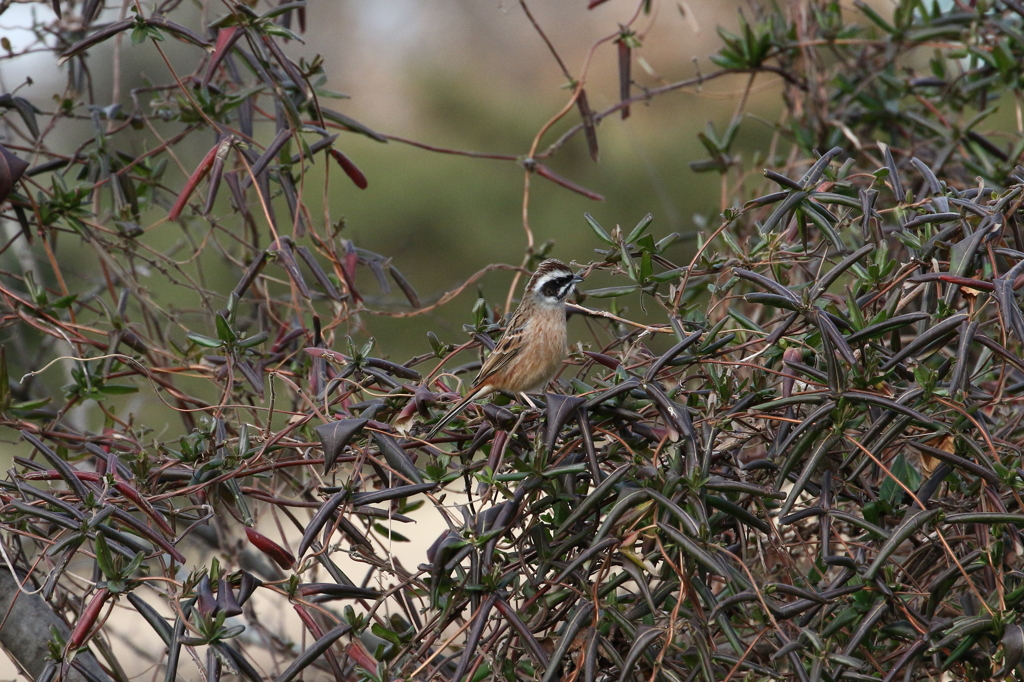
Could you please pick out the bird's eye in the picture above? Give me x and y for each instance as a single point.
(557, 287)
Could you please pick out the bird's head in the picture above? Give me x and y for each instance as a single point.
(552, 282)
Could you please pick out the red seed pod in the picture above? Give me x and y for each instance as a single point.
(192, 183)
(88, 619)
(348, 270)
(281, 556)
(226, 39)
(354, 174)
(359, 653)
(144, 506)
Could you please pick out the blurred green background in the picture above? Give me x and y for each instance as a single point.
(477, 76)
(463, 75)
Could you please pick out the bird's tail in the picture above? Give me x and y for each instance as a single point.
(457, 410)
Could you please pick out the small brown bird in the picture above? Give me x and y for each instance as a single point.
(533, 346)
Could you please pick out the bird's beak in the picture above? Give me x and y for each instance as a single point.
(576, 279)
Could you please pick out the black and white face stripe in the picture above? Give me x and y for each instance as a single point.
(557, 285)
(552, 282)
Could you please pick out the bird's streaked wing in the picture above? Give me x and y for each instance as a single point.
(508, 347)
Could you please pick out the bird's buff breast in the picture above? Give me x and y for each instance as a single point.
(548, 349)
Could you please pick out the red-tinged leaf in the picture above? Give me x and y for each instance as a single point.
(362, 657)
(317, 631)
(238, 195)
(11, 170)
(606, 360)
(108, 31)
(284, 337)
(353, 173)
(193, 182)
(63, 468)
(396, 457)
(338, 591)
(315, 651)
(295, 211)
(206, 603)
(226, 602)
(320, 519)
(789, 376)
(350, 124)
(968, 282)
(217, 172)
(469, 650)
(625, 79)
(334, 436)
(327, 354)
(253, 376)
(318, 273)
(25, 110)
(406, 418)
(248, 586)
(548, 174)
(560, 409)
(307, 153)
(88, 618)
(288, 66)
(307, 620)
(47, 475)
(144, 530)
(281, 556)
(255, 268)
(351, 260)
(267, 156)
(525, 635)
(953, 279)
(589, 129)
(226, 39)
(282, 246)
(89, 11)
(405, 286)
(348, 271)
(143, 505)
(177, 29)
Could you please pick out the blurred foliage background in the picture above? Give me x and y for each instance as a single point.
(476, 76)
